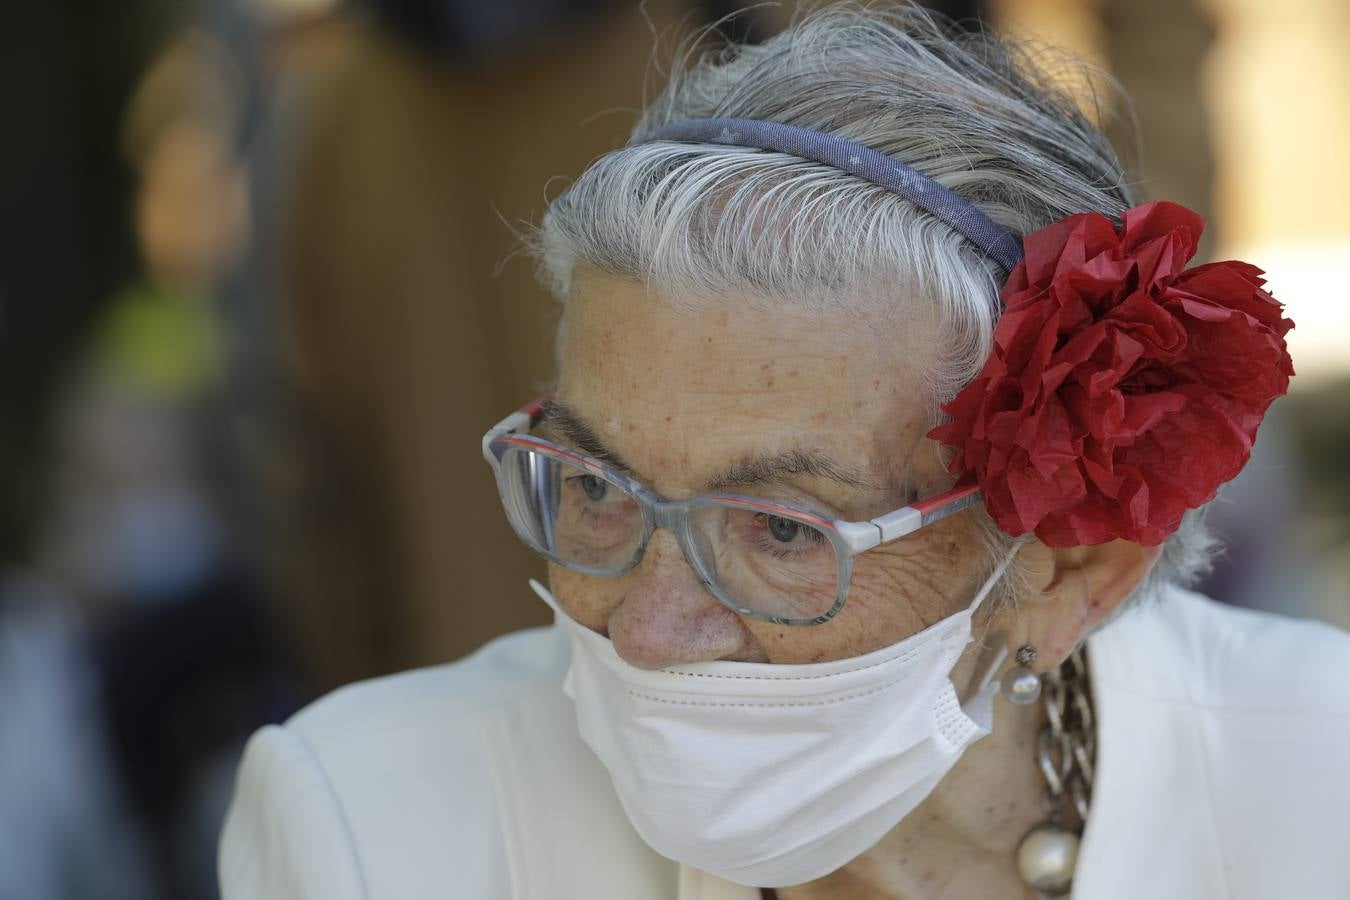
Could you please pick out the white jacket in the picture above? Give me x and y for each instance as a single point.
(1223, 771)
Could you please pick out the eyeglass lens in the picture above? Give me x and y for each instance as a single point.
(775, 565)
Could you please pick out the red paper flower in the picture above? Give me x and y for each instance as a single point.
(1121, 390)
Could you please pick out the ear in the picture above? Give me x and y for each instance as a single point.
(1068, 590)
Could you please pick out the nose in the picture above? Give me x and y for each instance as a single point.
(667, 617)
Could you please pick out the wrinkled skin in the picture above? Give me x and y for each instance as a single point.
(680, 394)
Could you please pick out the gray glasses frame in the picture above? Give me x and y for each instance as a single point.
(848, 538)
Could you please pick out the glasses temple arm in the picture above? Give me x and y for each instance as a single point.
(519, 422)
(915, 516)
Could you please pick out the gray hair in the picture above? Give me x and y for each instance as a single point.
(980, 115)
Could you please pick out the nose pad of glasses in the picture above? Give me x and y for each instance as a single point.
(695, 546)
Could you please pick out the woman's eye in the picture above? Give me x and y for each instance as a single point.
(784, 530)
(595, 488)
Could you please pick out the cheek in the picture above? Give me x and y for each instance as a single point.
(586, 598)
(877, 614)
(896, 591)
(934, 573)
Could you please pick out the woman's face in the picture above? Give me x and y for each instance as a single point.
(681, 397)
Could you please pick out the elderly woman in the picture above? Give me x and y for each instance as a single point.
(883, 423)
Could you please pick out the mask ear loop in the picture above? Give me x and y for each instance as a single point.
(544, 594)
(991, 669)
(988, 586)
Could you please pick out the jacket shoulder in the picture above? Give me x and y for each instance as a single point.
(1184, 647)
(1221, 740)
(522, 667)
(391, 787)
(285, 835)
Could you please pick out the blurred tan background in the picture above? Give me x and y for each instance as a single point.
(1224, 116)
(260, 301)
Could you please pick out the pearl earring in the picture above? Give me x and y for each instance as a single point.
(1020, 685)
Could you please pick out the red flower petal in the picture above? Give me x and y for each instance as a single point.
(1123, 389)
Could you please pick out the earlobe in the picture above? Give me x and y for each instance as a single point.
(1071, 590)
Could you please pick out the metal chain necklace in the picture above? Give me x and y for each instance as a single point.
(1066, 751)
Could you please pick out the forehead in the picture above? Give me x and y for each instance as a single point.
(680, 389)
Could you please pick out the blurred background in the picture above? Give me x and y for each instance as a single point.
(258, 305)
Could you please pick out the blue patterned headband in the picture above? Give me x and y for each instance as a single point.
(960, 214)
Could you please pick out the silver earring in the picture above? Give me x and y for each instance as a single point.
(1020, 685)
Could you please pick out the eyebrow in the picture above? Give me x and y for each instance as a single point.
(778, 466)
(769, 468)
(571, 426)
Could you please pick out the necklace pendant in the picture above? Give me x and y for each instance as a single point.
(1046, 858)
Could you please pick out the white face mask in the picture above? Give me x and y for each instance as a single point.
(773, 775)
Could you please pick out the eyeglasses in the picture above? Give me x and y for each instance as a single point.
(774, 561)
